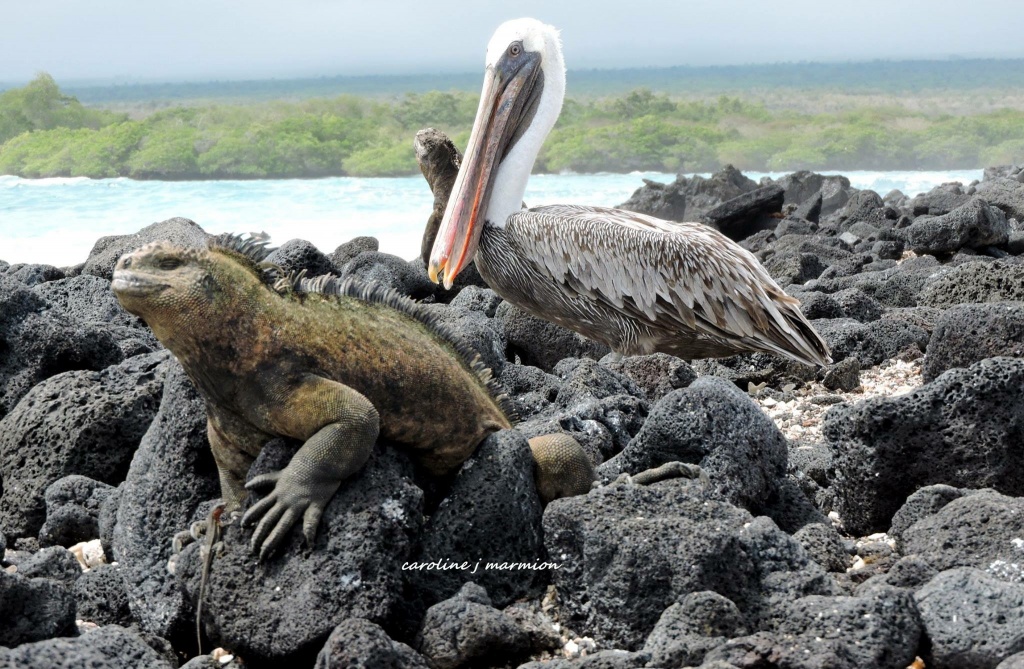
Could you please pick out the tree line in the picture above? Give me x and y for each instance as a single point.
(46, 133)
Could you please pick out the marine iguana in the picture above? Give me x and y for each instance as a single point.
(332, 363)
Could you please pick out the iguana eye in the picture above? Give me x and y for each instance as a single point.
(169, 263)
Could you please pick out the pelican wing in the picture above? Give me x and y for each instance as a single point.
(673, 274)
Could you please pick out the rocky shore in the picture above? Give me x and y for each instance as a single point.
(870, 514)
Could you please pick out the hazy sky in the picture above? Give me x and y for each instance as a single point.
(137, 40)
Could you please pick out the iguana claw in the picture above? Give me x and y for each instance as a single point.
(290, 500)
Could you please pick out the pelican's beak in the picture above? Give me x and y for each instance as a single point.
(510, 95)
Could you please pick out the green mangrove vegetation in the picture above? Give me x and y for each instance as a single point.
(46, 133)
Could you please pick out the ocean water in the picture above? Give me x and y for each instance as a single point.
(57, 221)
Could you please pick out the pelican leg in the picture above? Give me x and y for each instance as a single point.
(561, 467)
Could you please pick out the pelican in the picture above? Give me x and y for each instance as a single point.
(636, 283)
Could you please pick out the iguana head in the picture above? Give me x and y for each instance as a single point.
(179, 290)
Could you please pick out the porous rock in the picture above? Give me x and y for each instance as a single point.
(870, 343)
(34, 609)
(474, 330)
(910, 572)
(54, 562)
(82, 422)
(109, 647)
(972, 225)
(287, 606)
(824, 545)
(627, 552)
(922, 503)
(296, 255)
(971, 619)
(72, 510)
(171, 474)
(968, 333)
(39, 342)
(179, 231)
(656, 374)
(391, 272)
(492, 514)
(541, 343)
(357, 643)
(939, 200)
(688, 629)
(101, 596)
(998, 281)
(981, 530)
(802, 185)
(1005, 193)
(880, 629)
(466, 630)
(352, 248)
(714, 424)
(962, 430)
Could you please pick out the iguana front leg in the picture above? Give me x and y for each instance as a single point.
(340, 427)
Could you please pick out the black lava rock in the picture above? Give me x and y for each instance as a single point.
(939, 200)
(359, 644)
(540, 343)
(824, 545)
(968, 333)
(390, 272)
(910, 572)
(491, 515)
(714, 424)
(998, 281)
(109, 647)
(34, 609)
(656, 374)
(39, 342)
(880, 629)
(474, 330)
(101, 596)
(802, 186)
(745, 214)
(89, 302)
(687, 630)
(843, 375)
(971, 619)
(72, 510)
(171, 474)
(972, 225)
(921, 504)
(54, 562)
(1005, 193)
(285, 608)
(870, 343)
(980, 530)
(106, 251)
(86, 423)
(962, 429)
(476, 298)
(627, 552)
(297, 254)
(532, 390)
(467, 631)
(352, 248)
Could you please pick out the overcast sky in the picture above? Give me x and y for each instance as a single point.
(138, 40)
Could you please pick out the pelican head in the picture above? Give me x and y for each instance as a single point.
(524, 84)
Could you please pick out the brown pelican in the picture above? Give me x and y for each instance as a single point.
(636, 283)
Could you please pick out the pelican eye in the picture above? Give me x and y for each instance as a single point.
(515, 48)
